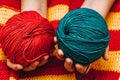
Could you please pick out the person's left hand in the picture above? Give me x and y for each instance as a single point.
(68, 62)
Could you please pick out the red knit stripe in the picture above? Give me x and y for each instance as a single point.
(116, 6)
(75, 4)
(1, 25)
(0, 44)
(11, 3)
(58, 2)
(4, 71)
(114, 40)
(101, 75)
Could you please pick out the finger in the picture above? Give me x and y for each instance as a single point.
(44, 60)
(55, 39)
(15, 67)
(106, 56)
(82, 69)
(60, 54)
(32, 66)
(69, 65)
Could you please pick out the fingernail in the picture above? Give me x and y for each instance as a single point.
(55, 39)
(60, 52)
(69, 61)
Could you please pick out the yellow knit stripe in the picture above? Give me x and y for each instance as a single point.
(12, 78)
(113, 21)
(12, 8)
(113, 64)
(57, 12)
(52, 77)
(6, 13)
(2, 56)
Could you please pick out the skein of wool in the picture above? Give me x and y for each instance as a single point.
(83, 35)
(27, 37)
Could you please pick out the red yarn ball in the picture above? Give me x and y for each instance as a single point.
(26, 37)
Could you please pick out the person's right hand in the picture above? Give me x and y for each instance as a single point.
(31, 67)
(69, 63)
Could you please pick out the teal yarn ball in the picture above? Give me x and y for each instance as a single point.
(83, 35)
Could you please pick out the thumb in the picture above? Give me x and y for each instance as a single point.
(106, 56)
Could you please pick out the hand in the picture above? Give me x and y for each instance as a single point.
(68, 64)
(31, 67)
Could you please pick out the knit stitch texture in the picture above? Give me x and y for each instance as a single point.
(54, 70)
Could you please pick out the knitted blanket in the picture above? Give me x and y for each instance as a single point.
(54, 70)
